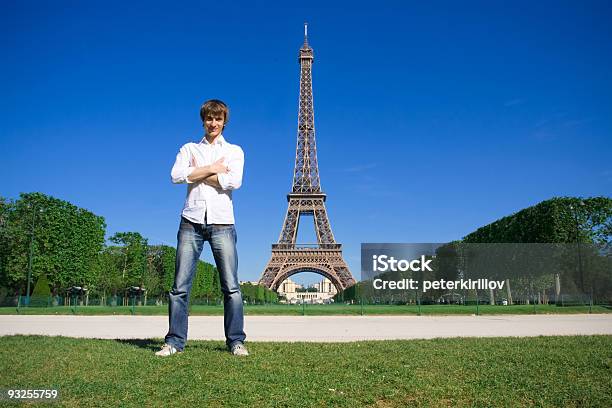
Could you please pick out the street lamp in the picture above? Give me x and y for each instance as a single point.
(577, 225)
(40, 210)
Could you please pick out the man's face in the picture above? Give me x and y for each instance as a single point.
(213, 124)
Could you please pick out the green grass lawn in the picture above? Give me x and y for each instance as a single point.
(539, 371)
(316, 310)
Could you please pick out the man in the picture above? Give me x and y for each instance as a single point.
(212, 169)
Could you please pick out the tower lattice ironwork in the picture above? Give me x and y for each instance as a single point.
(306, 198)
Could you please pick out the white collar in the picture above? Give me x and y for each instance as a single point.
(218, 140)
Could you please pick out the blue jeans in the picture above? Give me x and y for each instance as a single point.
(222, 239)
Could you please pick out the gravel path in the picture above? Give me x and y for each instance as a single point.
(313, 328)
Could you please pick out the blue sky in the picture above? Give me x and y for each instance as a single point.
(431, 119)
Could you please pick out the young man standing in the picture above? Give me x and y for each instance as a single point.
(211, 169)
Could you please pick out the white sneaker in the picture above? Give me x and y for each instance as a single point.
(238, 349)
(167, 350)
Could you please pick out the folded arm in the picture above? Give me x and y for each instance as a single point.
(186, 170)
(232, 178)
(208, 173)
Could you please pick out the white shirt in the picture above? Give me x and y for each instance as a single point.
(205, 203)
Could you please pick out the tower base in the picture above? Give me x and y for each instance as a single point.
(288, 260)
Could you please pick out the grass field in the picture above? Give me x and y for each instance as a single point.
(538, 371)
(316, 310)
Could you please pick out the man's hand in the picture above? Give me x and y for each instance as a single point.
(218, 167)
(212, 181)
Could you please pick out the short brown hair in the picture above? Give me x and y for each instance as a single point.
(215, 107)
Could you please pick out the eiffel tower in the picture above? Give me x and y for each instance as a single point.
(306, 198)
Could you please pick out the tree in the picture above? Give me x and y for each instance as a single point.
(63, 238)
(41, 292)
(6, 207)
(108, 271)
(558, 220)
(133, 248)
(206, 282)
(573, 229)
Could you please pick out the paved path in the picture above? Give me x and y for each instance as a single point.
(313, 328)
